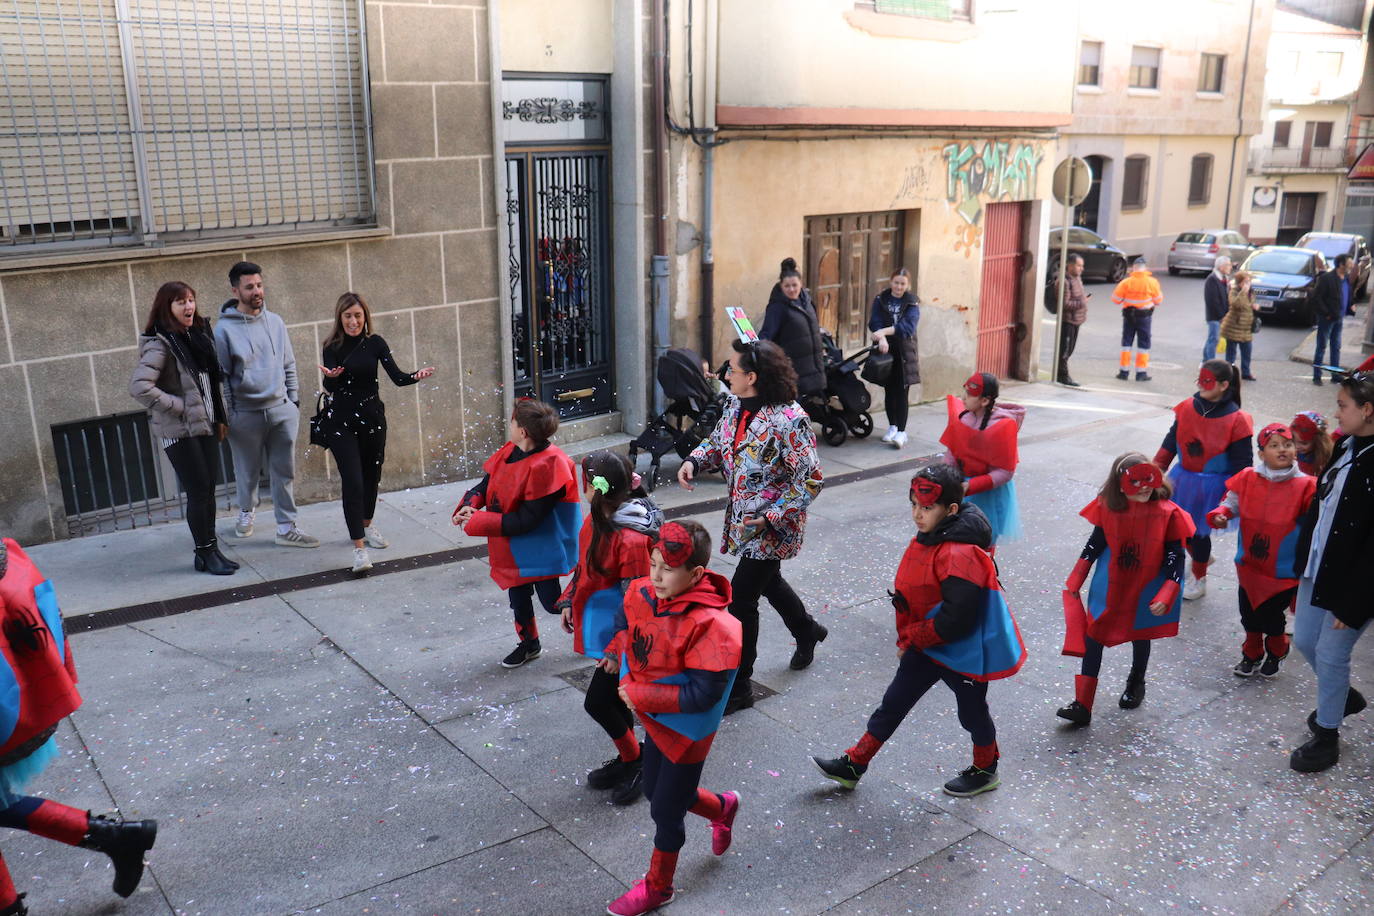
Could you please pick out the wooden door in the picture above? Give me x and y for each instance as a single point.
(849, 258)
(999, 299)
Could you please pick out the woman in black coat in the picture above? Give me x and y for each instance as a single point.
(790, 321)
(893, 319)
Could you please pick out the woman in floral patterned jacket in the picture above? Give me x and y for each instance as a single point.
(766, 449)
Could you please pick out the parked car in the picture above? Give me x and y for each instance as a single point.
(1199, 250)
(1101, 259)
(1331, 244)
(1283, 279)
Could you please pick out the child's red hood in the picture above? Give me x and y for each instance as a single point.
(712, 591)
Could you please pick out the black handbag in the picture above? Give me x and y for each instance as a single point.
(318, 435)
(877, 367)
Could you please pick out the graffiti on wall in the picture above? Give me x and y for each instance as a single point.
(996, 170)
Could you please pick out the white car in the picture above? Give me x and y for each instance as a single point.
(1199, 250)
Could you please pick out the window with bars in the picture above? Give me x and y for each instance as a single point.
(142, 121)
(1200, 179)
(1211, 73)
(1144, 67)
(924, 9)
(1090, 63)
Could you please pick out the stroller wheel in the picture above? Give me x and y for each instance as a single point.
(862, 426)
(649, 478)
(833, 432)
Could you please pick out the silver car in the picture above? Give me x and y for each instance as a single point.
(1199, 250)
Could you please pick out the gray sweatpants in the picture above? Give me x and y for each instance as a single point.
(251, 432)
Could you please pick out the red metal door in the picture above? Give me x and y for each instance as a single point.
(999, 299)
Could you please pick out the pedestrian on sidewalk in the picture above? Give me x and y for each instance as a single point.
(41, 692)
(264, 403)
(527, 508)
(1331, 296)
(678, 654)
(1211, 437)
(953, 625)
(980, 438)
(1312, 441)
(1336, 551)
(1138, 296)
(1216, 299)
(1238, 327)
(178, 379)
(790, 321)
(612, 550)
(1075, 314)
(892, 321)
(1137, 547)
(355, 420)
(765, 447)
(1269, 501)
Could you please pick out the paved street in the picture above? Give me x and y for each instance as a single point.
(347, 747)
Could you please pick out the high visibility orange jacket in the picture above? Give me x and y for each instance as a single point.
(1140, 290)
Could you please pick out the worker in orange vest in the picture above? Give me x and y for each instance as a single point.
(1137, 295)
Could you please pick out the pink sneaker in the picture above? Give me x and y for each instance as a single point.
(722, 831)
(640, 899)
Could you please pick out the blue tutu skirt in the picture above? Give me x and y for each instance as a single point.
(15, 778)
(999, 505)
(1197, 493)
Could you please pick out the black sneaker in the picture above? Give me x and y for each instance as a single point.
(841, 769)
(1123, 375)
(1247, 666)
(525, 652)
(1142, 377)
(972, 781)
(631, 789)
(612, 773)
(1270, 668)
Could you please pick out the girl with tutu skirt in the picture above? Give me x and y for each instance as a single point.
(981, 441)
(1211, 437)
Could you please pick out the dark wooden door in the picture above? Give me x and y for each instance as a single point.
(999, 298)
(849, 259)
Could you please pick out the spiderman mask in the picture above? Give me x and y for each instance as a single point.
(974, 386)
(924, 491)
(1206, 381)
(1272, 430)
(1139, 478)
(1306, 425)
(675, 545)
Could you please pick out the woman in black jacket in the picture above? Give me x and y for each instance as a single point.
(1334, 605)
(893, 318)
(790, 321)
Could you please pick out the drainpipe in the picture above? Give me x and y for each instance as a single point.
(708, 258)
(658, 271)
(1240, 117)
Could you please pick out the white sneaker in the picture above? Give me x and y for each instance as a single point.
(243, 528)
(296, 538)
(899, 440)
(361, 561)
(1194, 589)
(891, 431)
(374, 538)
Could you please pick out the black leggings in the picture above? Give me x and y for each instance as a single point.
(1270, 617)
(1092, 656)
(763, 578)
(195, 460)
(522, 603)
(604, 705)
(359, 454)
(1200, 548)
(895, 395)
(916, 674)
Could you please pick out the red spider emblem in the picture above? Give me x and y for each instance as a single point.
(641, 646)
(1129, 558)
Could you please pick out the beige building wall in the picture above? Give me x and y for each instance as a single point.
(557, 36)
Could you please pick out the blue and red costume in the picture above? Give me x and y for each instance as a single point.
(986, 454)
(953, 625)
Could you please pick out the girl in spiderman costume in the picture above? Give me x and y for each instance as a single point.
(37, 691)
(1312, 441)
(981, 441)
(1137, 544)
(527, 508)
(678, 654)
(953, 625)
(613, 549)
(1211, 437)
(1269, 501)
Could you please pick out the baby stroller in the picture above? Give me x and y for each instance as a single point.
(842, 409)
(692, 413)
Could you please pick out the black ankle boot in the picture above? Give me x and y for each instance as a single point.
(1321, 752)
(806, 649)
(223, 559)
(124, 842)
(1134, 694)
(208, 560)
(16, 908)
(1354, 703)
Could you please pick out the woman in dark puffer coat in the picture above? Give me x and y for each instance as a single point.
(790, 321)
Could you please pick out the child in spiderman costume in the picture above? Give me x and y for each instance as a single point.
(527, 507)
(981, 440)
(613, 550)
(1312, 441)
(1211, 437)
(1137, 544)
(678, 656)
(1269, 501)
(953, 625)
(37, 691)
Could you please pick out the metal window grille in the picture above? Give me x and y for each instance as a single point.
(139, 121)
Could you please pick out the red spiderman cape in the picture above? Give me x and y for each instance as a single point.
(596, 601)
(548, 551)
(1128, 576)
(37, 676)
(979, 450)
(1202, 441)
(1266, 551)
(663, 640)
(994, 649)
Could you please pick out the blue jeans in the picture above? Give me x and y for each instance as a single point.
(1327, 650)
(1244, 347)
(1209, 349)
(1328, 335)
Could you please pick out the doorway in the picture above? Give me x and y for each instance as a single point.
(849, 260)
(999, 298)
(1086, 213)
(1297, 217)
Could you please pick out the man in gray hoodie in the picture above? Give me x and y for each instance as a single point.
(263, 397)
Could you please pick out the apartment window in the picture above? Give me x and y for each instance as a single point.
(925, 9)
(209, 146)
(1211, 73)
(1283, 130)
(1327, 64)
(1090, 63)
(1200, 179)
(1133, 185)
(1144, 68)
(1321, 133)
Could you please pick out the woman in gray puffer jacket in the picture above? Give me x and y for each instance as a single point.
(178, 379)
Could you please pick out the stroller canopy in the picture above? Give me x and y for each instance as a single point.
(680, 375)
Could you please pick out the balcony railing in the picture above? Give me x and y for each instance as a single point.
(1295, 158)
